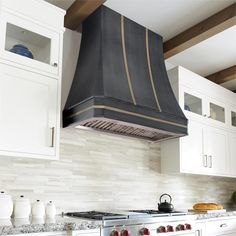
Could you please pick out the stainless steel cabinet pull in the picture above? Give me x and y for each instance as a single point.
(210, 162)
(205, 160)
(53, 134)
(223, 225)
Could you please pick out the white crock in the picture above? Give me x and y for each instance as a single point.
(22, 208)
(6, 206)
(50, 210)
(38, 209)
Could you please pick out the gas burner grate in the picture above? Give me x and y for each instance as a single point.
(97, 215)
(159, 213)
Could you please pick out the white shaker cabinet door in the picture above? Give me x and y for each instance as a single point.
(232, 153)
(28, 112)
(192, 149)
(217, 150)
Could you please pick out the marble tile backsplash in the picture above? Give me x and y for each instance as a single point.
(102, 171)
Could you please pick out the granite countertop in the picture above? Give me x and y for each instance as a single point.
(60, 223)
(206, 216)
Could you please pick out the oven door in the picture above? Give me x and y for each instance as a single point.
(182, 233)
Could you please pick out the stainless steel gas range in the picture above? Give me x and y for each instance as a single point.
(140, 223)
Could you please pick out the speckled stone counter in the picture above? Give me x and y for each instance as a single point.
(45, 225)
(206, 216)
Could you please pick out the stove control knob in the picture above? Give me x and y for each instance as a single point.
(115, 233)
(144, 231)
(125, 232)
(180, 227)
(170, 228)
(161, 229)
(188, 227)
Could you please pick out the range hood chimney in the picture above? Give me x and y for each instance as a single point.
(120, 83)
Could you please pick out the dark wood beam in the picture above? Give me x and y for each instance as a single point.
(79, 11)
(201, 31)
(223, 75)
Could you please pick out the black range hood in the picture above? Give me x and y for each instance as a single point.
(120, 83)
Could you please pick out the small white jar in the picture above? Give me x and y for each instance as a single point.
(50, 210)
(6, 206)
(22, 208)
(38, 209)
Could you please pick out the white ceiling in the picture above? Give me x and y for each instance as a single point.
(214, 54)
(165, 17)
(171, 17)
(168, 17)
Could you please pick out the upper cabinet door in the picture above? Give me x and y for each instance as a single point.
(232, 153)
(28, 114)
(217, 112)
(193, 157)
(192, 103)
(217, 150)
(40, 42)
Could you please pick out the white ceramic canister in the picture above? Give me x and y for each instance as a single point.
(38, 209)
(6, 206)
(20, 221)
(22, 208)
(50, 210)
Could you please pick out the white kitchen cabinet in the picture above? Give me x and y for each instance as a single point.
(56, 233)
(192, 150)
(203, 151)
(21, 23)
(90, 232)
(200, 229)
(216, 150)
(202, 99)
(41, 41)
(208, 149)
(226, 227)
(232, 153)
(28, 108)
(30, 87)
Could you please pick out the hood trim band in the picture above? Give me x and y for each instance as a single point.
(126, 112)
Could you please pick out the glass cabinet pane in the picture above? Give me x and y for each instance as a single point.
(27, 43)
(217, 112)
(233, 118)
(192, 103)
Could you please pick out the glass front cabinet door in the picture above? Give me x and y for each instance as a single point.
(193, 103)
(27, 43)
(233, 119)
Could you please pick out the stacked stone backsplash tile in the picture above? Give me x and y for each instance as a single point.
(101, 171)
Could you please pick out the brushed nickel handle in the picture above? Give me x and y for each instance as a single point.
(210, 158)
(205, 161)
(53, 134)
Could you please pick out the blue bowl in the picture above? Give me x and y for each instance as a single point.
(22, 50)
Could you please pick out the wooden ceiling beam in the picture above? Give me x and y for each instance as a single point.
(79, 11)
(201, 31)
(223, 75)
